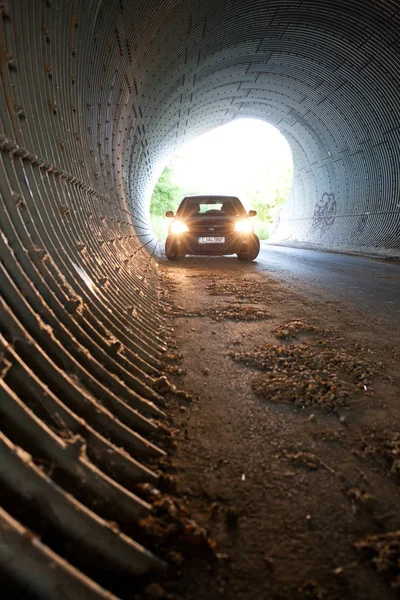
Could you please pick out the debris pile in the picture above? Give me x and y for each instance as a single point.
(308, 460)
(172, 531)
(295, 329)
(391, 451)
(247, 290)
(174, 370)
(384, 551)
(238, 313)
(386, 445)
(307, 375)
(163, 386)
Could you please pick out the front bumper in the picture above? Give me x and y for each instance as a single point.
(188, 244)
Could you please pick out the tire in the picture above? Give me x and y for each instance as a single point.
(173, 249)
(252, 250)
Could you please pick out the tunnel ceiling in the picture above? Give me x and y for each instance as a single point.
(95, 97)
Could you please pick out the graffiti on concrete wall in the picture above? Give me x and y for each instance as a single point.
(324, 214)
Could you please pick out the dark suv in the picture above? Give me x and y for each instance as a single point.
(213, 225)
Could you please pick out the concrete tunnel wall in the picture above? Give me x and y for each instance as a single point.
(96, 94)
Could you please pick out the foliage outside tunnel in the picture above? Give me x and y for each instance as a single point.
(266, 194)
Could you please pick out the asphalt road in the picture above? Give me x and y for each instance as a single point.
(283, 456)
(369, 285)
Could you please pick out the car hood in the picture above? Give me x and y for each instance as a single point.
(210, 221)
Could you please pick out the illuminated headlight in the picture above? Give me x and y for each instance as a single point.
(244, 226)
(178, 227)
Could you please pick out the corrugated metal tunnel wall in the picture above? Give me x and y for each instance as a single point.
(95, 95)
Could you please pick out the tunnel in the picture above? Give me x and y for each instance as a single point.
(96, 96)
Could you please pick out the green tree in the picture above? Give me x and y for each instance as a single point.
(166, 194)
(269, 197)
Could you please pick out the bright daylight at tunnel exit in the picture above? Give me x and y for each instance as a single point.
(199, 299)
(246, 158)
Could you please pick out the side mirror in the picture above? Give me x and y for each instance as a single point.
(252, 213)
(170, 214)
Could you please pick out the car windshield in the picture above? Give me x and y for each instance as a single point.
(219, 206)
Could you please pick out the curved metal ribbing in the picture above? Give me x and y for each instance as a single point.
(79, 335)
(95, 95)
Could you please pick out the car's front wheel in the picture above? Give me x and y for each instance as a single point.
(250, 250)
(173, 249)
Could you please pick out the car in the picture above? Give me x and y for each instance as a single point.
(211, 225)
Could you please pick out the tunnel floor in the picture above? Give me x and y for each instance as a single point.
(298, 497)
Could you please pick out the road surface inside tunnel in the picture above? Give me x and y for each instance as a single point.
(288, 454)
(372, 285)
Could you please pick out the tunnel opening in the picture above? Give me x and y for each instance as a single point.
(246, 158)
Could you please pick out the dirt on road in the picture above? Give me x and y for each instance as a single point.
(285, 439)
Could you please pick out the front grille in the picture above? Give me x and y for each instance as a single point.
(200, 229)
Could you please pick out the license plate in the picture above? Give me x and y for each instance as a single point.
(211, 240)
